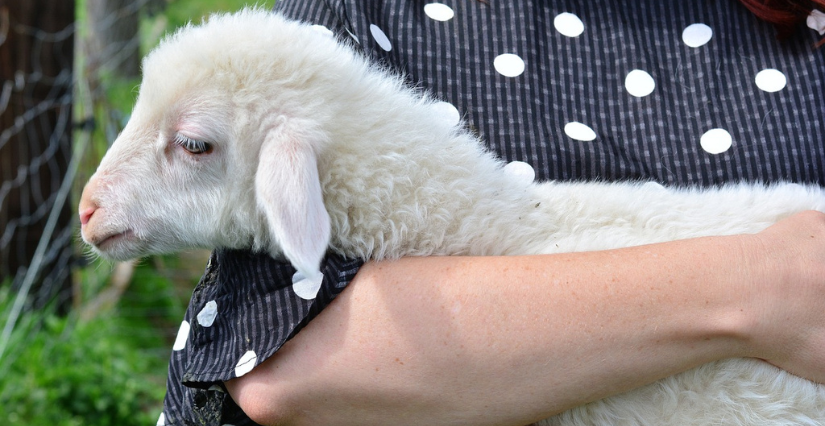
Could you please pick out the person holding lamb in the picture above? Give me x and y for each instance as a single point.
(672, 92)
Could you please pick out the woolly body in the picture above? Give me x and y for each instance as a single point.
(311, 147)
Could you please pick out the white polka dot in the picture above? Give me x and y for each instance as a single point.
(322, 30)
(579, 131)
(509, 65)
(246, 363)
(439, 12)
(568, 24)
(307, 288)
(523, 172)
(696, 35)
(716, 141)
(161, 420)
(771, 80)
(380, 38)
(639, 83)
(816, 21)
(207, 315)
(182, 337)
(448, 111)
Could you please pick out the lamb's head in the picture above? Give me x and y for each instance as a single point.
(217, 153)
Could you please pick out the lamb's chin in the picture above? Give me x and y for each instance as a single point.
(121, 246)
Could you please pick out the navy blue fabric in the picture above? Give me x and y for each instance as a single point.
(255, 312)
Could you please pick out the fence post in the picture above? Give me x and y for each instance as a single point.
(36, 81)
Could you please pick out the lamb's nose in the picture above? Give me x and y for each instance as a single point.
(86, 214)
(87, 207)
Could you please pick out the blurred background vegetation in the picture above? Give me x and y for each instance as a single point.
(84, 341)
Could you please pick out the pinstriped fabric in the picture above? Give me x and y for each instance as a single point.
(256, 312)
(774, 135)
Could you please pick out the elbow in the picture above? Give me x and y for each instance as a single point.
(262, 401)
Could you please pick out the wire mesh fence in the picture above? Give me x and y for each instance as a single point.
(37, 161)
(68, 73)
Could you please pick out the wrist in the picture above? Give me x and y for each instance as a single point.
(742, 311)
(768, 267)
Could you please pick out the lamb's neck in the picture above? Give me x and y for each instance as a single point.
(399, 179)
(472, 212)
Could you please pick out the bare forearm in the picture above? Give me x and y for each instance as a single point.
(506, 340)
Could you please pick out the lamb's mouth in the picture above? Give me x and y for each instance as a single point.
(114, 238)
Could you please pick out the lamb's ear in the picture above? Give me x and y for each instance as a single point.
(288, 191)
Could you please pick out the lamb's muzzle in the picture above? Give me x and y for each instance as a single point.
(313, 148)
(87, 210)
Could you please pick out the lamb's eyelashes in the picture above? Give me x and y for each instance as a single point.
(192, 146)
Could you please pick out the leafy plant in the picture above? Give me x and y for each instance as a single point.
(60, 372)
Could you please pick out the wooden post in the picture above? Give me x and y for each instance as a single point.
(36, 79)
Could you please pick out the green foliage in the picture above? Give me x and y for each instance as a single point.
(180, 12)
(63, 373)
(110, 370)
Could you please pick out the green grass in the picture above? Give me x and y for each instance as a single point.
(59, 371)
(108, 370)
(71, 373)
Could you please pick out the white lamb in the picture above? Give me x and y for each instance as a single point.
(252, 131)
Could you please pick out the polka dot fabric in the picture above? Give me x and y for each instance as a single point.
(674, 92)
(614, 90)
(243, 310)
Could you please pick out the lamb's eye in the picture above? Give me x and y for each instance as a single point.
(192, 145)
